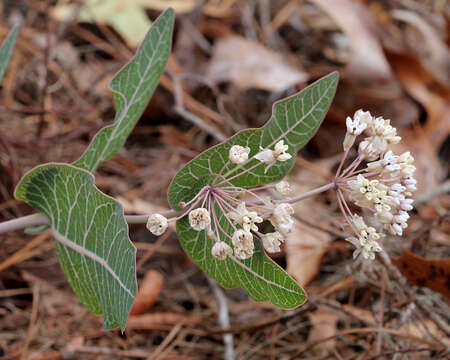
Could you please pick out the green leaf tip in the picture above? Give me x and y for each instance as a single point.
(93, 246)
(294, 120)
(6, 50)
(132, 88)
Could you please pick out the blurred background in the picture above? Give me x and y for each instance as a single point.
(231, 60)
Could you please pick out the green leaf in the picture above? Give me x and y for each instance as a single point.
(132, 87)
(93, 246)
(294, 120)
(6, 50)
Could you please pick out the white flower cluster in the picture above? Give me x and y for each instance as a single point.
(243, 238)
(388, 184)
(244, 218)
(366, 240)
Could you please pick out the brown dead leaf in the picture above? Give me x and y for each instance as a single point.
(159, 320)
(367, 65)
(323, 326)
(170, 135)
(431, 273)
(433, 51)
(248, 64)
(148, 293)
(425, 141)
(306, 245)
(417, 329)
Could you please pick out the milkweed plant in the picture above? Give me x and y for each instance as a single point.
(219, 200)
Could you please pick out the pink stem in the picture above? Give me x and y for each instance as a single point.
(308, 194)
(341, 206)
(196, 196)
(220, 172)
(342, 162)
(356, 162)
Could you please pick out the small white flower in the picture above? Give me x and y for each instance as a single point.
(243, 244)
(272, 241)
(366, 242)
(157, 224)
(396, 191)
(221, 250)
(368, 150)
(271, 156)
(283, 212)
(410, 183)
(363, 187)
(247, 219)
(402, 217)
(284, 228)
(239, 154)
(265, 156)
(359, 223)
(382, 201)
(280, 153)
(199, 219)
(283, 187)
(250, 220)
(355, 126)
(282, 219)
(363, 117)
(406, 204)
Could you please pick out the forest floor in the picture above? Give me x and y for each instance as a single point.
(231, 60)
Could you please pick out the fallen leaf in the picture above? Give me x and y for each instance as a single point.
(417, 329)
(324, 325)
(424, 141)
(248, 64)
(159, 320)
(172, 136)
(149, 290)
(367, 61)
(128, 18)
(433, 51)
(305, 245)
(431, 273)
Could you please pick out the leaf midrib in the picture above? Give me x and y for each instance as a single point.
(85, 252)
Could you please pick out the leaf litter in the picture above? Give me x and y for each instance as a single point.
(182, 322)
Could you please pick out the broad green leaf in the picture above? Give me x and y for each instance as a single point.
(6, 50)
(132, 87)
(93, 246)
(294, 120)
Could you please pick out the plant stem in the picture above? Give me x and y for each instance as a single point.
(23, 222)
(39, 219)
(307, 194)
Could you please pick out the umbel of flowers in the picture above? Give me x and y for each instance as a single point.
(377, 180)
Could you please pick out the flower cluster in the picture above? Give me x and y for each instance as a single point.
(384, 186)
(234, 229)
